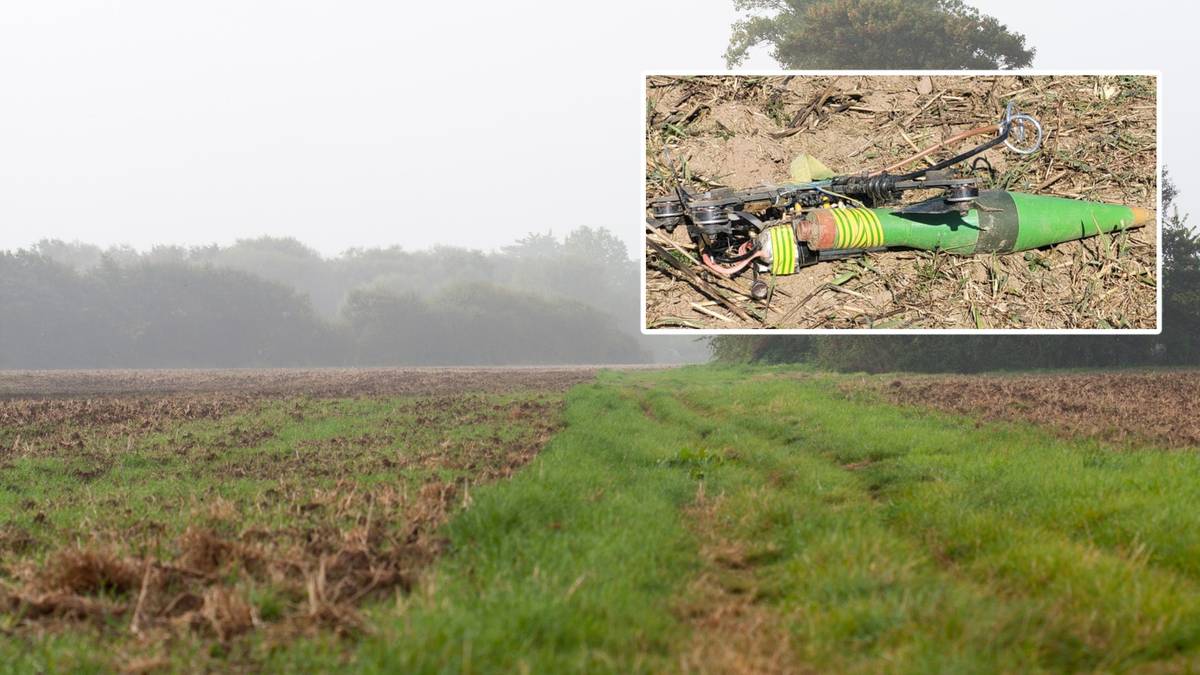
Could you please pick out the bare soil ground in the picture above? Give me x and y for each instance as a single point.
(325, 382)
(224, 512)
(1100, 145)
(1149, 408)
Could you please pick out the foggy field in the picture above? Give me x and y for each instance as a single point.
(709, 519)
(323, 350)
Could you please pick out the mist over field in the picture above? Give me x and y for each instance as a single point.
(233, 235)
(276, 302)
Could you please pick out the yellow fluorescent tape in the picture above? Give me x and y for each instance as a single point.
(783, 250)
(857, 228)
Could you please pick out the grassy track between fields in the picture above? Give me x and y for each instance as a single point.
(870, 538)
(727, 519)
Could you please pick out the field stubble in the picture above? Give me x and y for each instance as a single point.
(172, 517)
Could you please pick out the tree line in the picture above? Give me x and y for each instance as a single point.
(275, 302)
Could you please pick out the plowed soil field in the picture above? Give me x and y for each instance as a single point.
(1155, 408)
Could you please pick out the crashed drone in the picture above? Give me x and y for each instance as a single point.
(782, 228)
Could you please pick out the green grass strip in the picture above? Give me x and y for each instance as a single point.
(572, 566)
(882, 539)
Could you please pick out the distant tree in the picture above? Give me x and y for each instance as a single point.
(542, 300)
(172, 315)
(891, 34)
(1181, 281)
(153, 315)
(534, 245)
(492, 324)
(597, 244)
(481, 323)
(764, 348)
(283, 260)
(76, 255)
(163, 255)
(392, 329)
(47, 319)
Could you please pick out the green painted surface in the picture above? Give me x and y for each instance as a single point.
(943, 232)
(1052, 220)
(1041, 221)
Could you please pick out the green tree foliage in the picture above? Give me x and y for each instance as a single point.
(763, 349)
(977, 353)
(892, 34)
(1181, 281)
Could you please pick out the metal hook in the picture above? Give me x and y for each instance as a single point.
(1016, 124)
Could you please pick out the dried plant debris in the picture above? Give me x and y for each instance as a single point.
(239, 520)
(736, 131)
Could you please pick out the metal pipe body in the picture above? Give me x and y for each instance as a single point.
(1000, 222)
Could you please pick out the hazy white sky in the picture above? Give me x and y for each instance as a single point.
(376, 123)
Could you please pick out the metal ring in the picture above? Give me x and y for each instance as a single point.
(1019, 131)
(1015, 123)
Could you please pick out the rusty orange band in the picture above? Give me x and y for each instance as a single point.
(822, 229)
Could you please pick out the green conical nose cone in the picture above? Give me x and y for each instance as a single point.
(1051, 220)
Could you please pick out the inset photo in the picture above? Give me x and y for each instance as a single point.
(916, 202)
